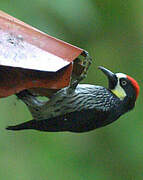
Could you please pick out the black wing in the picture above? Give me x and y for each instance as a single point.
(82, 121)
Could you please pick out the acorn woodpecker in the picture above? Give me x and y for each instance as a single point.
(82, 109)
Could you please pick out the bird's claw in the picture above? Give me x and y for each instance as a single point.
(85, 63)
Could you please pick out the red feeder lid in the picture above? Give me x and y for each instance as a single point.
(30, 58)
(26, 47)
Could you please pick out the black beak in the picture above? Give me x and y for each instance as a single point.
(111, 77)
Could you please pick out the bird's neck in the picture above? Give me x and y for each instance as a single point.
(129, 103)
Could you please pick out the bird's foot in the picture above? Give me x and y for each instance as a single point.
(85, 61)
(29, 99)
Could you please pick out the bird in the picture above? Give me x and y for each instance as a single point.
(85, 108)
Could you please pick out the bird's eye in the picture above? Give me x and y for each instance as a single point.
(123, 83)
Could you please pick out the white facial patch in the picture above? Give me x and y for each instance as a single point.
(121, 75)
(119, 91)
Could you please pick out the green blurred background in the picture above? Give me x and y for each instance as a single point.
(112, 32)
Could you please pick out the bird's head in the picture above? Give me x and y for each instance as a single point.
(122, 85)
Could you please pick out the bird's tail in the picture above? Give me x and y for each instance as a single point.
(41, 125)
(26, 125)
